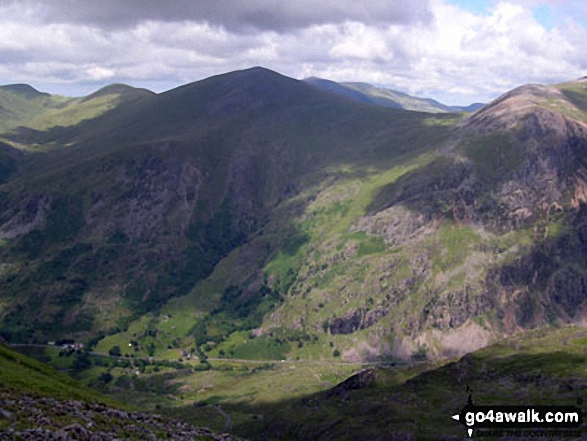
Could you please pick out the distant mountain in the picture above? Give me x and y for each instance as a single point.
(470, 108)
(253, 216)
(119, 89)
(351, 92)
(24, 90)
(303, 209)
(22, 105)
(367, 93)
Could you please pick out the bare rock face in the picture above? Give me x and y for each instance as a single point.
(27, 214)
(159, 192)
(356, 320)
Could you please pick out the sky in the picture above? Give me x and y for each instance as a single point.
(455, 51)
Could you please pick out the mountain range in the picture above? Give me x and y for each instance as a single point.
(251, 216)
(367, 93)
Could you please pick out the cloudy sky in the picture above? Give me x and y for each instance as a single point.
(456, 51)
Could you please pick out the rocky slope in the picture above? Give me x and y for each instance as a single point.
(38, 403)
(32, 418)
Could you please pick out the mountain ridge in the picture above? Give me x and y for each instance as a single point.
(367, 93)
(236, 154)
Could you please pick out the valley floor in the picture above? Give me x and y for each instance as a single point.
(297, 399)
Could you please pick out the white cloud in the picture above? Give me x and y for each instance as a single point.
(453, 55)
(358, 41)
(99, 73)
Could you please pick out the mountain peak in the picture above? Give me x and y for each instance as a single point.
(23, 89)
(254, 73)
(505, 111)
(237, 90)
(257, 69)
(118, 89)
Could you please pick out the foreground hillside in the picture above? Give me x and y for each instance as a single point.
(38, 403)
(539, 368)
(274, 400)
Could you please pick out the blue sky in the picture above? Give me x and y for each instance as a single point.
(547, 13)
(456, 51)
(477, 7)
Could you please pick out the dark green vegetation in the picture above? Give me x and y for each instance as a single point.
(250, 218)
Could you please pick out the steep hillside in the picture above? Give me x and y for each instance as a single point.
(437, 255)
(108, 217)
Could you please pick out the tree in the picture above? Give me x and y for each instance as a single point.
(105, 377)
(115, 351)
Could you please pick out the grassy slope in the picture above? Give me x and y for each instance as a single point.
(25, 375)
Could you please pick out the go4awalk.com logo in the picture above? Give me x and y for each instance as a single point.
(530, 421)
